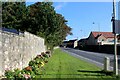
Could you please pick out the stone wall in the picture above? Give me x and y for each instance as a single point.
(16, 50)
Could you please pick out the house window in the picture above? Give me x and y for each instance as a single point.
(103, 40)
(110, 40)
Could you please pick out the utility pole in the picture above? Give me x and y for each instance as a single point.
(99, 42)
(115, 41)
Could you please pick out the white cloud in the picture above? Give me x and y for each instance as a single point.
(60, 6)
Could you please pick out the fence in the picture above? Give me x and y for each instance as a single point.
(16, 50)
(100, 48)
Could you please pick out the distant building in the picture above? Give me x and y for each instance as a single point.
(95, 38)
(64, 44)
(101, 38)
(70, 43)
(82, 42)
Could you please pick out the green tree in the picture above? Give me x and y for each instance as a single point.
(48, 24)
(40, 19)
(14, 15)
(60, 32)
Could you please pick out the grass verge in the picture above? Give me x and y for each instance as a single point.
(63, 65)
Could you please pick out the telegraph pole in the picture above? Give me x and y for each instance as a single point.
(115, 41)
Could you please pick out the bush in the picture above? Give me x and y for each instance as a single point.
(35, 68)
(9, 74)
(28, 72)
(37, 65)
(17, 74)
(13, 74)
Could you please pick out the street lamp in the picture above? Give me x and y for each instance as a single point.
(98, 35)
(81, 33)
(98, 26)
(115, 40)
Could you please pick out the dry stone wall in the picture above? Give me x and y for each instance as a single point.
(16, 50)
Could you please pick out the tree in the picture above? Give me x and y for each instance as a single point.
(60, 32)
(48, 23)
(14, 15)
(40, 19)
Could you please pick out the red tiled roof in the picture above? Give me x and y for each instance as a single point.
(105, 34)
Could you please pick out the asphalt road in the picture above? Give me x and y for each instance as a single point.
(92, 57)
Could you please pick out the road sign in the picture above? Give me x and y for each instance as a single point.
(117, 26)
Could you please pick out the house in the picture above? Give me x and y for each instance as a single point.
(72, 43)
(64, 44)
(82, 42)
(101, 38)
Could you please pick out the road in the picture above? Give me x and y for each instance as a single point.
(92, 57)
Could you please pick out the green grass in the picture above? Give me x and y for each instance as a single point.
(63, 65)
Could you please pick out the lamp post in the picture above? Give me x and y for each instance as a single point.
(98, 35)
(115, 41)
(81, 33)
(98, 26)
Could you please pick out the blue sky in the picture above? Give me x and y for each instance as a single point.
(81, 15)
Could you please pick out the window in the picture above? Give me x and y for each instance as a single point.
(103, 40)
(110, 40)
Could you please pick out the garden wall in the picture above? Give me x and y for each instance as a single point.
(16, 50)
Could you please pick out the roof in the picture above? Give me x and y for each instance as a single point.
(82, 39)
(10, 30)
(105, 34)
(73, 40)
(65, 41)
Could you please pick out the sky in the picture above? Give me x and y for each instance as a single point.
(84, 17)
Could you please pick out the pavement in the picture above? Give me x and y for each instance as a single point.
(93, 57)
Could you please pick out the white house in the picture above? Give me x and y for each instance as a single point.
(101, 38)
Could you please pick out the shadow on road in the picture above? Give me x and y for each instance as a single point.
(112, 62)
